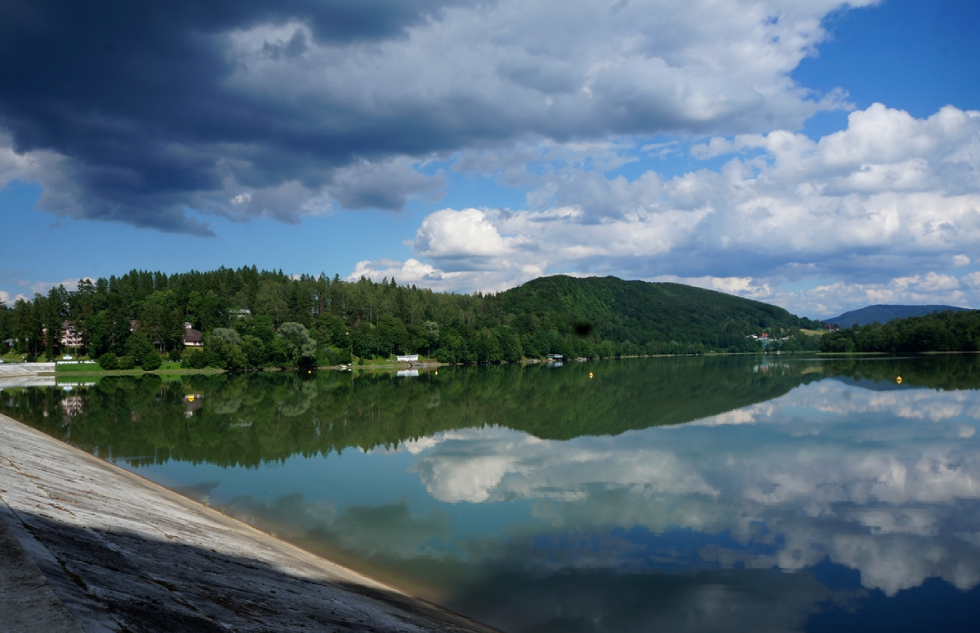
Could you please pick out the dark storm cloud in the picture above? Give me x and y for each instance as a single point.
(382, 186)
(140, 111)
(131, 96)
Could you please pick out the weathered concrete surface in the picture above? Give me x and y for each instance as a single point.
(25, 369)
(26, 380)
(123, 554)
(27, 602)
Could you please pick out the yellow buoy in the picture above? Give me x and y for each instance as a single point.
(590, 374)
(899, 380)
(437, 372)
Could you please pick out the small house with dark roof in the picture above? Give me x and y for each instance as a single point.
(192, 337)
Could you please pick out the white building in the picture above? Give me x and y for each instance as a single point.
(70, 335)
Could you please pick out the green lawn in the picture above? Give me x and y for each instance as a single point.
(167, 367)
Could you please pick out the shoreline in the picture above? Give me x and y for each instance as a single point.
(376, 366)
(118, 552)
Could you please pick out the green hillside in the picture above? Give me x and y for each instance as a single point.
(652, 316)
(941, 332)
(251, 318)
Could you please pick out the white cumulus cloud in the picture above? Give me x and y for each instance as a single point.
(890, 207)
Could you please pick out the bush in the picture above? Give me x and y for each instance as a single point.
(197, 359)
(278, 351)
(235, 359)
(336, 356)
(254, 350)
(445, 356)
(126, 362)
(301, 348)
(138, 347)
(227, 335)
(109, 361)
(152, 361)
(174, 355)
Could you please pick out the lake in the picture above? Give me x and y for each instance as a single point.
(672, 494)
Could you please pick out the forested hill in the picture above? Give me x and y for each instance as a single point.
(252, 318)
(646, 314)
(941, 332)
(886, 313)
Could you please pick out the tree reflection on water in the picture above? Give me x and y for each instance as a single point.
(663, 494)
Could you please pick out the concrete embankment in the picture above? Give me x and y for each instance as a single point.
(20, 370)
(87, 546)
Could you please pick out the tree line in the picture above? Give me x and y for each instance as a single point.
(251, 318)
(947, 331)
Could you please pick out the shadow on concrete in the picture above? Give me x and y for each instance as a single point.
(121, 581)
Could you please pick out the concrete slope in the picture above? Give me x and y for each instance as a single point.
(123, 554)
(27, 602)
(25, 369)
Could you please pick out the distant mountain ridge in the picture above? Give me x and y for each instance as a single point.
(885, 313)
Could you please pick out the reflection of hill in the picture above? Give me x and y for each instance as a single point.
(247, 419)
(872, 385)
(940, 371)
(637, 394)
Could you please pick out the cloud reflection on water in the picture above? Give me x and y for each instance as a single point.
(885, 482)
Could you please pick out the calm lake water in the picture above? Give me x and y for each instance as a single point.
(687, 494)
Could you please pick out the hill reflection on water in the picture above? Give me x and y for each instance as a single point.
(718, 493)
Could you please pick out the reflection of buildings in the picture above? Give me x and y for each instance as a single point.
(192, 402)
(71, 406)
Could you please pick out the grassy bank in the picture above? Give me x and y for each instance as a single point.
(94, 369)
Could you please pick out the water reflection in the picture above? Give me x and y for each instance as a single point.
(684, 494)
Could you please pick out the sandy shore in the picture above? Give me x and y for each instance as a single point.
(87, 546)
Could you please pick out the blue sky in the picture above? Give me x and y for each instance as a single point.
(816, 155)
